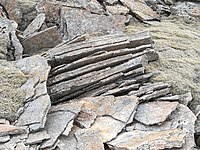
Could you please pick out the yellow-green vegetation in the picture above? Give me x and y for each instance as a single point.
(11, 96)
(178, 46)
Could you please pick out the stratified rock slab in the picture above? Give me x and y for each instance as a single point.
(154, 112)
(6, 129)
(150, 140)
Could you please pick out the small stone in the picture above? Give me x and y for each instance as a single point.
(37, 137)
(89, 140)
(185, 98)
(37, 120)
(152, 140)
(4, 139)
(111, 2)
(117, 10)
(154, 112)
(35, 25)
(55, 125)
(10, 130)
(108, 127)
(140, 9)
(21, 146)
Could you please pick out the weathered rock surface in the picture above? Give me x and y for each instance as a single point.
(154, 112)
(43, 40)
(134, 140)
(140, 9)
(76, 21)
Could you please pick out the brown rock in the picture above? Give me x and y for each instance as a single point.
(10, 130)
(45, 39)
(150, 140)
(117, 10)
(154, 112)
(140, 9)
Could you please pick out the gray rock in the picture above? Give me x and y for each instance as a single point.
(4, 139)
(9, 32)
(122, 107)
(111, 2)
(6, 129)
(55, 125)
(34, 66)
(40, 41)
(108, 127)
(140, 9)
(154, 112)
(78, 22)
(37, 120)
(35, 25)
(151, 140)
(37, 137)
(89, 140)
(117, 10)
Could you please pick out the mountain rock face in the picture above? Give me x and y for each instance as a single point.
(72, 78)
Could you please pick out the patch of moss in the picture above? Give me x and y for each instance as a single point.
(11, 96)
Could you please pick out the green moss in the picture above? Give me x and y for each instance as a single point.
(11, 96)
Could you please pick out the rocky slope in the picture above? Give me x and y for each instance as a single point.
(101, 75)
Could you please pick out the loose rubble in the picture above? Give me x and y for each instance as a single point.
(79, 82)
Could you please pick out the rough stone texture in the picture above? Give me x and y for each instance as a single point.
(152, 113)
(37, 137)
(140, 9)
(43, 40)
(35, 25)
(134, 140)
(37, 69)
(108, 127)
(117, 10)
(89, 140)
(55, 125)
(77, 21)
(37, 120)
(9, 32)
(10, 130)
(4, 139)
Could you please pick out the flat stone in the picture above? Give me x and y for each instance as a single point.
(78, 22)
(37, 120)
(10, 130)
(35, 25)
(55, 125)
(68, 128)
(29, 87)
(108, 127)
(35, 66)
(151, 140)
(122, 107)
(117, 10)
(89, 140)
(154, 112)
(4, 139)
(140, 9)
(36, 43)
(37, 137)
(184, 118)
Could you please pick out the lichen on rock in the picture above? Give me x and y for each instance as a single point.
(11, 96)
